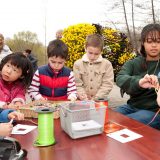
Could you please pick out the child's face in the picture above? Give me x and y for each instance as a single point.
(93, 53)
(152, 46)
(56, 63)
(11, 73)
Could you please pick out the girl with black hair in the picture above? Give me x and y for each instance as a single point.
(140, 79)
(15, 77)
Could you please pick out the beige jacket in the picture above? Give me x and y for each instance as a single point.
(94, 79)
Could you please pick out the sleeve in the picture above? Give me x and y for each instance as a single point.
(128, 82)
(33, 90)
(2, 104)
(71, 88)
(107, 82)
(78, 79)
(4, 115)
(20, 95)
(32, 59)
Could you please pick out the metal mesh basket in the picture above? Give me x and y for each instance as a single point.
(82, 119)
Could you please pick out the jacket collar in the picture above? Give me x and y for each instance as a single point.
(53, 72)
(85, 59)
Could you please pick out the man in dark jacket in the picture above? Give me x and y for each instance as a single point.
(31, 57)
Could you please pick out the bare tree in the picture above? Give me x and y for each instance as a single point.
(153, 12)
(134, 31)
(126, 21)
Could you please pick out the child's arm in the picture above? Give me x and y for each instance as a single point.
(71, 88)
(5, 129)
(19, 97)
(158, 97)
(107, 82)
(8, 114)
(16, 115)
(33, 90)
(4, 115)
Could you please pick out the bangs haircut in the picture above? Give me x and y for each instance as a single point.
(57, 48)
(16, 59)
(150, 30)
(153, 35)
(19, 60)
(95, 40)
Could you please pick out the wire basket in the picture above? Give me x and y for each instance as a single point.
(29, 109)
(82, 119)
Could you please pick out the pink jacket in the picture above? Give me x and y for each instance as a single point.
(11, 92)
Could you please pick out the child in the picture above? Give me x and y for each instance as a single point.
(54, 81)
(93, 74)
(15, 76)
(5, 116)
(139, 78)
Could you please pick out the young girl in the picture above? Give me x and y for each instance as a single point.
(139, 78)
(15, 77)
(93, 74)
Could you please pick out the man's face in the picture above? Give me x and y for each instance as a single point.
(1, 41)
(59, 35)
(25, 53)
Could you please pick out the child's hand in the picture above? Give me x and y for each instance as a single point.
(5, 129)
(72, 97)
(148, 81)
(82, 96)
(158, 97)
(18, 104)
(12, 106)
(43, 99)
(16, 115)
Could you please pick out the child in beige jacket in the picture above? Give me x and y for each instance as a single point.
(93, 74)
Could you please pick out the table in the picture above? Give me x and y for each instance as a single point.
(97, 147)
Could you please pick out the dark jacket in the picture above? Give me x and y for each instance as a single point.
(128, 80)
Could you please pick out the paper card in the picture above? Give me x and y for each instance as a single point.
(85, 125)
(22, 129)
(124, 135)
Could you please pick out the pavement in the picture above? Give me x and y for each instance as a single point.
(115, 98)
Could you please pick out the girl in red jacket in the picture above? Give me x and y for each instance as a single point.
(15, 76)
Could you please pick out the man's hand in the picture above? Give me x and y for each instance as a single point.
(148, 81)
(16, 115)
(5, 129)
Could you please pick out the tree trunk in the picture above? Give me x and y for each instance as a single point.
(134, 31)
(153, 15)
(126, 21)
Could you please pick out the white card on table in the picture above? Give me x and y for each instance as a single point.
(85, 125)
(22, 129)
(124, 135)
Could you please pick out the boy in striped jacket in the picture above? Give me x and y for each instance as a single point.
(54, 81)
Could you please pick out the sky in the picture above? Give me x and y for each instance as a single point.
(47, 16)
